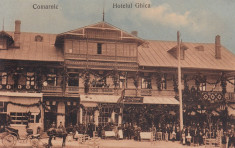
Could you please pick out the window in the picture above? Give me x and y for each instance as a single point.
(146, 83)
(122, 82)
(51, 80)
(73, 79)
(30, 80)
(24, 118)
(163, 82)
(99, 48)
(69, 46)
(202, 86)
(98, 82)
(3, 78)
(3, 107)
(38, 38)
(105, 116)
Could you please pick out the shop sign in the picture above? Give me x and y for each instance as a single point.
(133, 100)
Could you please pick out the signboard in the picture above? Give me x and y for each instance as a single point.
(133, 100)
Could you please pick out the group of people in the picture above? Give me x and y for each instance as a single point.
(191, 134)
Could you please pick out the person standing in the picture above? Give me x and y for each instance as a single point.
(51, 133)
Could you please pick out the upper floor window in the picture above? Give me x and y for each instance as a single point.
(68, 46)
(51, 79)
(163, 82)
(3, 78)
(38, 38)
(99, 48)
(146, 83)
(122, 82)
(30, 79)
(99, 82)
(202, 86)
(73, 79)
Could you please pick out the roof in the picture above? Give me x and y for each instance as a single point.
(123, 35)
(32, 50)
(156, 55)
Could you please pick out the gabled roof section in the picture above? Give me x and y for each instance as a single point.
(9, 38)
(30, 50)
(173, 51)
(157, 55)
(102, 28)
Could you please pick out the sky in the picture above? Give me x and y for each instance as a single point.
(198, 21)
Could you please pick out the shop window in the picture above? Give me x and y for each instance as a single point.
(24, 118)
(73, 80)
(30, 79)
(51, 80)
(146, 83)
(163, 82)
(99, 48)
(3, 78)
(105, 116)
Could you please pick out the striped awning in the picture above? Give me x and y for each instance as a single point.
(160, 100)
(99, 98)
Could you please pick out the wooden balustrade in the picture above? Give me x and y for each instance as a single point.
(100, 57)
(100, 90)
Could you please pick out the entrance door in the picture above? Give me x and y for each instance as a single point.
(71, 115)
(50, 117)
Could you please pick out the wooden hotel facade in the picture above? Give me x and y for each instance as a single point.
(100, 74)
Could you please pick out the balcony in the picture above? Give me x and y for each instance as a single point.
(52, 90)
(100, 90)
(214, 96)
(72, 91)
(100, 57)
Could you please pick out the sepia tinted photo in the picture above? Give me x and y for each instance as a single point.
(117, 73)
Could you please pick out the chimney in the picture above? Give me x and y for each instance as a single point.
(17, 33)
(135, 33)
(217, 47)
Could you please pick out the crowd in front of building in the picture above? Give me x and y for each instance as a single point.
(195, 134)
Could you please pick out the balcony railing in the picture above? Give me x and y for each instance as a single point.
(52, 90)
(100, 90)
(100, 57)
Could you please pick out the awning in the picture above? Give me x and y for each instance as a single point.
(19, 94)
(99, 98)
(160, 100)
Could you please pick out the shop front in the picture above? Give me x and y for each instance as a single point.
(148, 111)
(59, 109)
(100, 110)
(22, 110)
